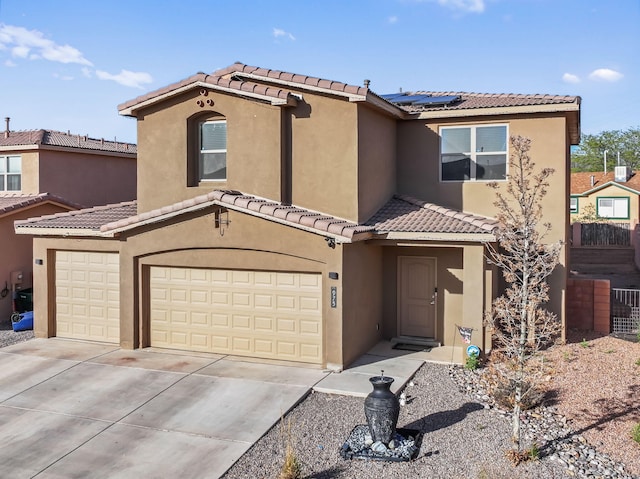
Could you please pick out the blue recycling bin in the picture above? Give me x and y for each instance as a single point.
(22, 321)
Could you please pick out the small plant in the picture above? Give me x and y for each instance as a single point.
(533, 452)
(609, 351)
(636, 433)
(568, 356)
(291, 468)
(584, 343)
(472, 363)
(638, 362)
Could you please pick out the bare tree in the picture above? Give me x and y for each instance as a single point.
(519, 324)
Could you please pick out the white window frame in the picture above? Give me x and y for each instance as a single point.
(573, 204)
(619, 208)
(5, 173)
(473, 154)
(201, 151)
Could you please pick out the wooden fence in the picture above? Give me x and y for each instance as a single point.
(605, 234)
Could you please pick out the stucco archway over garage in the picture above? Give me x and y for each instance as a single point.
(261, 314)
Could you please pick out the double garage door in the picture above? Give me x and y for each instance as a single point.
(264, 314)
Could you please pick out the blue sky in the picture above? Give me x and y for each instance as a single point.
(67, 64)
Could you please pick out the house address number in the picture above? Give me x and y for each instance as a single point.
(334, 297)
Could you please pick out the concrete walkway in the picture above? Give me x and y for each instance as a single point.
(75, 410)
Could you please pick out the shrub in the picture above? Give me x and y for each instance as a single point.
(636, 433)
(472, 363)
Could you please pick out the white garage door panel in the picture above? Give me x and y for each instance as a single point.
(88, 296)
(263, 314)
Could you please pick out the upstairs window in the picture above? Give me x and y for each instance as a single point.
(10, 173)
(213, 150)
(473, 153)
(615, 208)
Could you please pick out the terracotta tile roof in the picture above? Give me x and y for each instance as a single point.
(238, 85)
(581, 181)
(247, 79)
(67, 140)
(240, 69)
(13, 202)
(469, 101)
(410, 215)
(87, 219)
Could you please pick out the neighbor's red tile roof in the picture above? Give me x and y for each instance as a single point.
(67, 140)
(470, 101)
(400, 214)
(410, 215)
(581, 181)
(13, 202)
(91, 219)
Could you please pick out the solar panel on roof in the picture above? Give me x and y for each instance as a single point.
(437, 100)
(393, 96)
(411, 99)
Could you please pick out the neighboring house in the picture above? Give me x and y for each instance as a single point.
(45, 172)
(614, 195)
(282, 216)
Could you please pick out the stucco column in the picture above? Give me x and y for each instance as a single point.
(473, 294)
(129, 326)
(44, 290)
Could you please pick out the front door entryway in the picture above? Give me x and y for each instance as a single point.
(417, 296)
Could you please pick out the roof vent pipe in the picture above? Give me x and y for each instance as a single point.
(593, 180)
(367, 83)
(6, 131)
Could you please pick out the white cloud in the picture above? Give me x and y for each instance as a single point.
(279, 32)
(605, 74)
(393, 19)
(62, 77)
(32, 44)
(86, 72)
(9, 63)
(465, 6)
(126, 78)
(570, 78)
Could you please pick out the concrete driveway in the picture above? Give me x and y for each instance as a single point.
(83, 410)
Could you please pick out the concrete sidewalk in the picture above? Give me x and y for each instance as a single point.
(71, 409)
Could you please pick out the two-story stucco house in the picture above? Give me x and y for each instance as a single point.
(44, 172)
(282, 216)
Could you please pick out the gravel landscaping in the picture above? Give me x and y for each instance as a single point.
(8, 336)
(466, 435)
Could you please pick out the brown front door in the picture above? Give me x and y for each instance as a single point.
(417, 296)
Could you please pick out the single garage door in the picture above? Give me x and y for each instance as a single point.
(263, 314)
(88, 296)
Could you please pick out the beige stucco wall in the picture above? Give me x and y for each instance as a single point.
(253, 149)
(376, 161)
(418, 175)
(362, 299)
(322, 146)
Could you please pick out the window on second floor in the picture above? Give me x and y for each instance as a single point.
(473, 153)
(213, 150)
(613, 207)
(573, 204)
(10, 173)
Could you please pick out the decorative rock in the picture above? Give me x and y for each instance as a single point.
(378, 447)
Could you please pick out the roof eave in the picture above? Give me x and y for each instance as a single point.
(608, 183)
(66, 232)
(504, 110)
(131, 109)
(442, 237)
